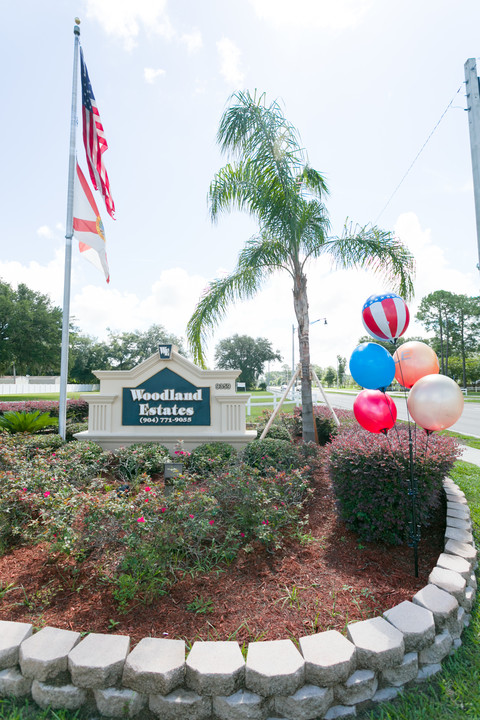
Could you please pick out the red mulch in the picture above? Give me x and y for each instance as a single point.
(302, 589)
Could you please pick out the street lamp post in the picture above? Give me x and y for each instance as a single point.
(293, 339)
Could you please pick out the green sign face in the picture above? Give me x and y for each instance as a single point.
(166, 399)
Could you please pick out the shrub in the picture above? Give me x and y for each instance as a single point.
(276, 432)
(209, 458)
(25, 422)
(370, 475)
(75, 427)
(130, 463)
(77, 410)
(263, 454)
(326, 426)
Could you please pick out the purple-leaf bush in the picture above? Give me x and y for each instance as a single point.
(77, 410)
(370, 476)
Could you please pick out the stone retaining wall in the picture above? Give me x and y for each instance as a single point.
(330, 676)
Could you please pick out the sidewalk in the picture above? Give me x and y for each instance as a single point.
(471, 455)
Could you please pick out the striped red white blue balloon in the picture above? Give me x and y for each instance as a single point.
(386, 316)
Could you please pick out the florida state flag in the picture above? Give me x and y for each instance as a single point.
(88, 226)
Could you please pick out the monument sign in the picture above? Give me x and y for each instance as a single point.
(167, 399)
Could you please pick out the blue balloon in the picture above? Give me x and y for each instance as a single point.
(372, 367)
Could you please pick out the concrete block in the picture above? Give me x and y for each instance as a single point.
(360, 686)
(181, 705)
(403, 673)
(44, 655)
(155, 666)
(449, 581)
(215, 668)
(472, 581)
(308, 702)
(98, 660)
(462, 513)
(242, 705)
(329, 658)
(466, 620)
(465, 550)
(428, 671)
(341, 711)
(469, 598)
(119, 703)
(460, 510)
(439, 649)
(274, 667)
(379, 644)
(58, 697)
(464, 536)
(386, 694)
(459, 523)
(12, 634)
(455, 563)
(13, 684)
(440, 603)
(414, 622)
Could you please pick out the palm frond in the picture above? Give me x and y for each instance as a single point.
(212, 307)
(377, 250)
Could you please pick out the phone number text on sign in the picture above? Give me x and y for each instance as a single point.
(164, 420)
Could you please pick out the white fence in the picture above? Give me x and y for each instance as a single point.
(34, 389)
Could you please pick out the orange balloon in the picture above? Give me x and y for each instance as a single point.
(414, 360)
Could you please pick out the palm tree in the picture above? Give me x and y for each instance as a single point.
(271, 179)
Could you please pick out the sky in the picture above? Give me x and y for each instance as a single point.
(365, 82)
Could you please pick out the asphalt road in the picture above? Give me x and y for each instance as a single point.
(468, 424)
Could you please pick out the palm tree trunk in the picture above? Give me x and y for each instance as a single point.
(300, 302)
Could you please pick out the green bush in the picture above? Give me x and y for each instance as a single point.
(128, 464)
(276, 432)
(267, 453)
(26, 422)
(209, 458)
(73, 428)
(370, 475)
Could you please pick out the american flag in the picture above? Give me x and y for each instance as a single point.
(94, 139)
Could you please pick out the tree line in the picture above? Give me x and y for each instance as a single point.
(31, 331)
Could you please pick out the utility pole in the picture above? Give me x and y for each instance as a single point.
(473, 108)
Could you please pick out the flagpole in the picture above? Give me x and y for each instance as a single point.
(62, 411)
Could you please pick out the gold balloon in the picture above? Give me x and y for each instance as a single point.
(435, 402)
(413, 360)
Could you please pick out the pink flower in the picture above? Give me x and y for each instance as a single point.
(146, 499)
(210, 522)
(264, 522)
(147, 489)
(242, 534)
(164, 509)
(46, 494)
(141, 519)
(24, 489)
(191, 516)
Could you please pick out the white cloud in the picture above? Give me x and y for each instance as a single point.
(38, 277)
(124, 18)
(150, 74)
(45, 232)
(230, 63)
(193, 40)
(312, 14)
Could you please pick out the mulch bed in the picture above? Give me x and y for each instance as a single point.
(304, 588)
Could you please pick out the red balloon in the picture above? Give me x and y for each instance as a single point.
(375, 411)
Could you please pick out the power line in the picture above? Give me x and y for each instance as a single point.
(418, 154)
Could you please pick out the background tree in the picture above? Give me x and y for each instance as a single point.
(455, 320)
(271, 179)
(389, 345)
(329, 376)
(128, 349)
(30, 332)
(241, 352)
(341, 365)
(86, 354)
